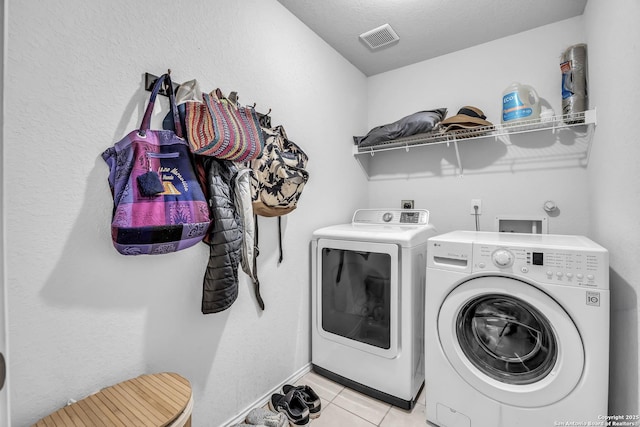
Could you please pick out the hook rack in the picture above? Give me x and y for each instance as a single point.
(150, 80)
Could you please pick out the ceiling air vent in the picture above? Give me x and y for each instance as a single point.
(379, 37)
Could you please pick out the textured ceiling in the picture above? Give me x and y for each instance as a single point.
(427, 28)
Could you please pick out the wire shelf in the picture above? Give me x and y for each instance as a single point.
(440, 137)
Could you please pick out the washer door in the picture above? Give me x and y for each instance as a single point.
(357, 295)
(511, 341)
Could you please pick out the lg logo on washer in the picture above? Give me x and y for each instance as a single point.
(593, 298)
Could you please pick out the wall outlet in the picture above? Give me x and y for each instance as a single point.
(474, 203)
(407, 204)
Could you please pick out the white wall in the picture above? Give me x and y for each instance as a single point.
(81, 316)
(614, 203)
(513, 176)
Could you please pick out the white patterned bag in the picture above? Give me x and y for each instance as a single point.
(279, 175)
(277, 181)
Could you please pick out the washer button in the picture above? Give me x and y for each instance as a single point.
(569, 275)
(559, 274)
(524, 269)
(482, 265)
(590, 277)
(579, 276)
(549, 274)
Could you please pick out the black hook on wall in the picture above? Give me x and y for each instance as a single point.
(264, 114)
(150, 80)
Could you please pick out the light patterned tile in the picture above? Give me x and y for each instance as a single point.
(397, 417)
(323, 387)
(335, 416)
(364, 406)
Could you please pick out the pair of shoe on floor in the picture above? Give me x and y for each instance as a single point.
(298, 403)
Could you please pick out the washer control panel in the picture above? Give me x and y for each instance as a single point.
(391, 216)
(548, 265)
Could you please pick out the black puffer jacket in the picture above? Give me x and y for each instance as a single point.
(220, 286)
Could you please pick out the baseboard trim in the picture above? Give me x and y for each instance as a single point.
(261, 401)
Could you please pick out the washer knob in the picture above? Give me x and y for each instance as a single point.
(502, 258)
(388, 216)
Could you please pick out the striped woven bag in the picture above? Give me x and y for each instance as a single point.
(221, 128)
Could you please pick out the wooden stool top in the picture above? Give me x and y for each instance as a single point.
(148, 400)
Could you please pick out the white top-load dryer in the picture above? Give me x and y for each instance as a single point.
(517, 330)
(368, 282)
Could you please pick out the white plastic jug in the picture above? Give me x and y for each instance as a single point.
(520, 102)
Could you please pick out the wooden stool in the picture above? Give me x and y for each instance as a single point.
(155, 400)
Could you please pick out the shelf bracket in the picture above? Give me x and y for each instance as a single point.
(455, 145)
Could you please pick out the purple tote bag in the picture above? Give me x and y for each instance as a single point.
(159, 205)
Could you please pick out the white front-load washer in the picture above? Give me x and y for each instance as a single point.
(367, 299)
(516, 330)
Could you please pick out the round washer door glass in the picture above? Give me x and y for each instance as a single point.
(511, 341)
(507, 339)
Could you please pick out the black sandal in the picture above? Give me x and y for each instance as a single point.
(308, 396)
(292, 405)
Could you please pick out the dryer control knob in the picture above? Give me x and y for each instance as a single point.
(502, 258)
(388, 216)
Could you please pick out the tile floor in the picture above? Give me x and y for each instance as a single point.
(343, 407)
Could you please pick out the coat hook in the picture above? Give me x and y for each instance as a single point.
(169, 71)
(150, 80)
(254, 105)
(268, 111)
